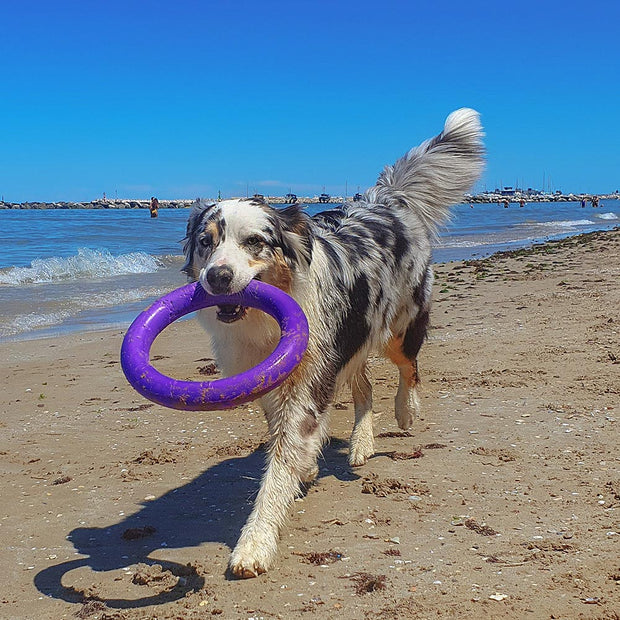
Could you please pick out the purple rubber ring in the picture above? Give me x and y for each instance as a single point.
(222, 393)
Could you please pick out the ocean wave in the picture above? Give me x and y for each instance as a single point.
(86, 264)
(606, 216)
(77, 304)
(565, 223)
(449, 242)
(28, 322)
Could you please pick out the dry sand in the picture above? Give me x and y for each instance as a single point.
(502, 502)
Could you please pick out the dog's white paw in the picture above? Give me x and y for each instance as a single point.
(252, 556)
(246, 569)
(407, 408)
(404, 418)
(357, 458)
(362, 447)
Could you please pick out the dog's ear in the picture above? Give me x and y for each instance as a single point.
(194, 223)
(296, 234)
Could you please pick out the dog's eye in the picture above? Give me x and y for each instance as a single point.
(205, 240)
(254, 241)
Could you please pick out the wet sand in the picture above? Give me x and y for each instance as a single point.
(502, 501)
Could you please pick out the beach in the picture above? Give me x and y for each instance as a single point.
(502, 501)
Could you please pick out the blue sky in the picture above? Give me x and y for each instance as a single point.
(184, 99)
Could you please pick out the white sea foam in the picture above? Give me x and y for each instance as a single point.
(606, 216)
(450, 242)
(74, 306)
(86, 264)
(117, 297)
(28, 322)
(565, 223)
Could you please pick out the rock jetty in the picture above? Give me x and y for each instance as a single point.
(529, 196)
(98, 204)
(485, 197)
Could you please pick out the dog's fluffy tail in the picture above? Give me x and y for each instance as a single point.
(435, 175)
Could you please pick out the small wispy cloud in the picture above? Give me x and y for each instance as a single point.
(282, 185)
(262, 183)
(269, 183)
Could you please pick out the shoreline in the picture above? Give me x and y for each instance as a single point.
(551, 245)
(279, 200)
(542, 246)
(502, 500)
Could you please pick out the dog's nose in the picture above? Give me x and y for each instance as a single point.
(219, 279)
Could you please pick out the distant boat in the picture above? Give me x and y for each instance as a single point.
(324, 198)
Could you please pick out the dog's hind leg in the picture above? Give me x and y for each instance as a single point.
(407, 402)
(362, 444)
(403, 351)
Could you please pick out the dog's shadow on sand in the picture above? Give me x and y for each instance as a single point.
(211, 508)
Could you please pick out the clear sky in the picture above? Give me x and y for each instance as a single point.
(181, 99)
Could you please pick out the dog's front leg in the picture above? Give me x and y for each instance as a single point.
(362, 445)
(258, 543)
(296, 439)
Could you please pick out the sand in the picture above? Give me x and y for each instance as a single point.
(503, 501)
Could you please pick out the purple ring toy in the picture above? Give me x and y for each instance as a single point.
(223, 393)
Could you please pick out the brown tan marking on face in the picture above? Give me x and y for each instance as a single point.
(212, 229)
(275, 272)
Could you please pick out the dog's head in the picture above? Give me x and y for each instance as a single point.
(231, 242)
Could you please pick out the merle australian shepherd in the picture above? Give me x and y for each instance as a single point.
(362, 275)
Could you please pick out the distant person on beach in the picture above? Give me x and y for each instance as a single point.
(521, 202)
(506, 203)
(154, 206)
(583, 203)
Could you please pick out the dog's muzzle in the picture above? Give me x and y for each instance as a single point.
(219, 279)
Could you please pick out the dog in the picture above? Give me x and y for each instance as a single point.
(362, 275)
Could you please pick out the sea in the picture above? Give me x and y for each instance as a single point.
(72, 270)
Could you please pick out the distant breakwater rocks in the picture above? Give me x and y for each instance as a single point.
(487, 197)
(144, 204)
(98, 204)
(491, 197)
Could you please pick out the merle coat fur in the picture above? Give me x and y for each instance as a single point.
(362, 274)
